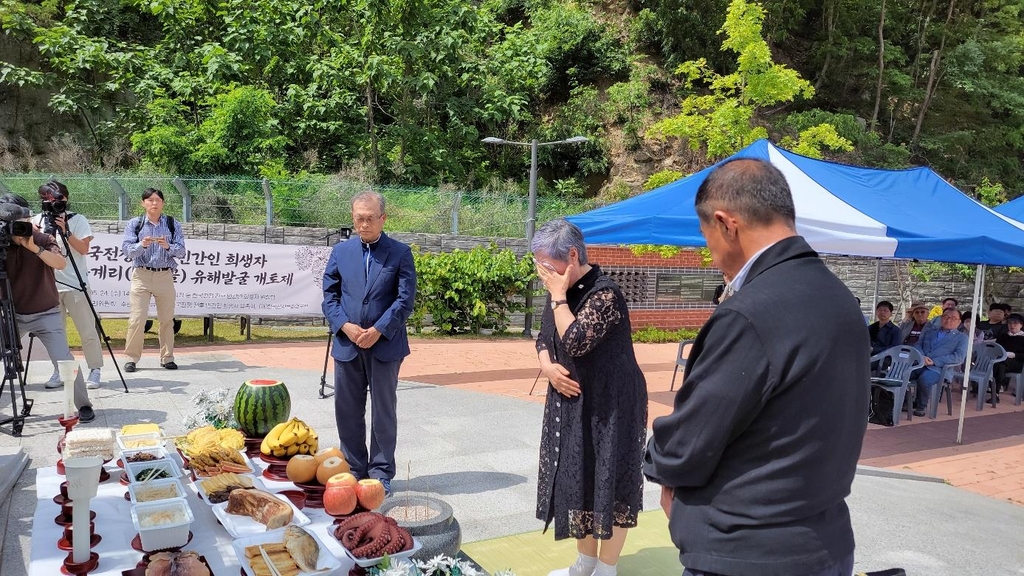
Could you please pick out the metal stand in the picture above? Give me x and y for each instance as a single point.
(323, 377)
(344, 233)
(85, 290)
(10, 351)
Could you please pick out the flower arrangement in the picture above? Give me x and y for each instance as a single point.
(440, 565)
(215, 409)
(935, 311)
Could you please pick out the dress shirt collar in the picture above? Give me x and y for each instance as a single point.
(741, 276)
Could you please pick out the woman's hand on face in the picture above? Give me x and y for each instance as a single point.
(560, 381)
(555, 283)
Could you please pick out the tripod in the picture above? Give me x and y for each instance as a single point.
(85, 291)
(10, 346)
(344, 234)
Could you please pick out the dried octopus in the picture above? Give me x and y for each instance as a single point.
(372, 535)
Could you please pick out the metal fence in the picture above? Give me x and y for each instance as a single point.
(318, 201)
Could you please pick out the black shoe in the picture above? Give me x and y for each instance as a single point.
(86, 414)
(170, 366)
(919, 413)
(129, 366)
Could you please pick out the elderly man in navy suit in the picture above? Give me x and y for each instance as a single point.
(369, 287)
(941, 348)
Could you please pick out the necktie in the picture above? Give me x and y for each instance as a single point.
(366, 260)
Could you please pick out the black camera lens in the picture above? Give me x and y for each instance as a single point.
(55, 206)
(21, 228)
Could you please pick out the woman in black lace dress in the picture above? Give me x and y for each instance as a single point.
(595, 418)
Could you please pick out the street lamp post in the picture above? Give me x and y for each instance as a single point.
(531, 218)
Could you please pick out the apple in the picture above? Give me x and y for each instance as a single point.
(370, 493)
(340, 500)
(342, 479)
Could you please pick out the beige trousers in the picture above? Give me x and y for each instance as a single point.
(74, 304)
(147, 284)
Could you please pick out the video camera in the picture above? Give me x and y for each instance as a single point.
(13, 223)
(56, 205)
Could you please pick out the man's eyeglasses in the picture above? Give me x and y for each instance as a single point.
(366, 219)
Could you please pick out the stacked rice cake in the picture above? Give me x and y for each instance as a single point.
(89, 442)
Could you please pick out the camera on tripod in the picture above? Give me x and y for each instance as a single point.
(54, 206)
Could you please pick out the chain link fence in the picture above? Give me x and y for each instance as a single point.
(318, 201)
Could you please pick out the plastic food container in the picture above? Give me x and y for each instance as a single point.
(158, 451)
(136, 441)
(156, 491)
(134, 469)
(163, 524)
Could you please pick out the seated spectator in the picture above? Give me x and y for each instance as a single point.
(947, 304)
(996, 323)
(1013, 342)
(911, 330)
(970, 320)
(884, 334)
(942, 347)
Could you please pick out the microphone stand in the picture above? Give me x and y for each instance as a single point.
(345, 233)
(83, 288)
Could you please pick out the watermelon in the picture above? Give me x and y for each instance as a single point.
(260, 405)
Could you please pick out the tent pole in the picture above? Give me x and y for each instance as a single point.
(978, 275)
(874, 298)
(981, 299)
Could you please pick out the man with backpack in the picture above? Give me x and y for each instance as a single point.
(152, 242)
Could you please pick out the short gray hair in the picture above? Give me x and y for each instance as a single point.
(368, 195)
(556, 237)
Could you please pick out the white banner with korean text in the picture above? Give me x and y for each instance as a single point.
(218, 278)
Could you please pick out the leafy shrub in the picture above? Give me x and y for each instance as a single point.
(653, 335)
(659, 179)
(577, 47)
(464, 292)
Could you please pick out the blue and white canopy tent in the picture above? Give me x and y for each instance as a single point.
(840, 209)
(1012, 209)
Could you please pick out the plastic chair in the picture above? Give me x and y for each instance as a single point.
(985, 356)
(903, 360)
(681, 356)
(1018, 387)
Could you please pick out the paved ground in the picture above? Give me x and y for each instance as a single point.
(470, 429)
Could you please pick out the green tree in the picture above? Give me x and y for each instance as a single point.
(723, 119)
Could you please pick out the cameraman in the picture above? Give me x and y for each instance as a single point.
(30, 264)
(73, 302)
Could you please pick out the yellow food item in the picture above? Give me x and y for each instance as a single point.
(222, 481)
(203, 439)
(132, 429)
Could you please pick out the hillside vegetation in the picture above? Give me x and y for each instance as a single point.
(403, 91)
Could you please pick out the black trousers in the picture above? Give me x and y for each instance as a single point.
(1008, 366)
(841, 568)
(352, 381)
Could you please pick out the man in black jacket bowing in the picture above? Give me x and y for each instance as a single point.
(758, 456)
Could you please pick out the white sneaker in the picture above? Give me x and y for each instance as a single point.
(94, 379)
(54, 381)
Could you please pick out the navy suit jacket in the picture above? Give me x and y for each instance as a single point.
(383, 298)
(951, 349)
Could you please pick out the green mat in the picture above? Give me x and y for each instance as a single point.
(648, 550)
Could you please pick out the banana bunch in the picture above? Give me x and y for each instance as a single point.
(290, 438)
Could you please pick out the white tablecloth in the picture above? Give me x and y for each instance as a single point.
(114, 524)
